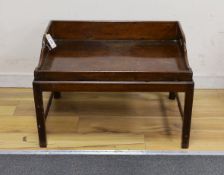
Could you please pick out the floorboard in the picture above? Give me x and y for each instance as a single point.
(111, 121)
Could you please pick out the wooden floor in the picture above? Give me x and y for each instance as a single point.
(111, 121)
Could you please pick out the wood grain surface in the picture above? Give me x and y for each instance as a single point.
(111, 121)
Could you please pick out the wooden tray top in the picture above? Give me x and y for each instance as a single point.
(115, 51)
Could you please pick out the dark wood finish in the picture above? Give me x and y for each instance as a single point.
(187, 117)
(97, 30)
(38, 99)
(111, 86)
(172, 95)
(57, 95)
(114, 56)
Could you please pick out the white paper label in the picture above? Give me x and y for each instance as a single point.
(50, 40)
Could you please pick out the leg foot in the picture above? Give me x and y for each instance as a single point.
(187, 117)
(172, 95)
(57, 95)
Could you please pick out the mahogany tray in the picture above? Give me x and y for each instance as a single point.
(114, 56)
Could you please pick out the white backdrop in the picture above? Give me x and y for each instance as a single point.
(22, 23)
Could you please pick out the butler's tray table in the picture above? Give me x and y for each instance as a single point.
(113, 57)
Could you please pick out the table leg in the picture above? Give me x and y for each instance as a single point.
(172, 95)
(57, 95)
(38, 99)
(187, 117)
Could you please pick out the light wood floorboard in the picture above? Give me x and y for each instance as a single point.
(111, 121)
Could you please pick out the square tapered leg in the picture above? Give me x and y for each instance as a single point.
(172, 95)
(187, 117)
(38, 99)
(57, 95)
